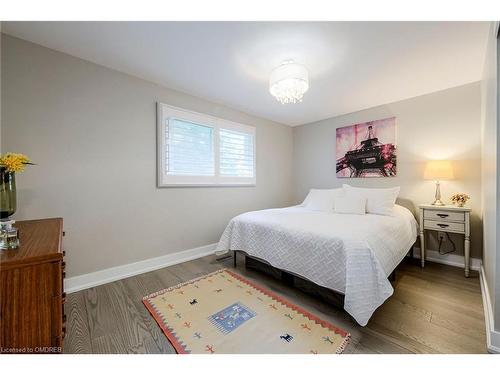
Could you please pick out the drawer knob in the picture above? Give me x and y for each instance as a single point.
(443, 215)
(443, 225)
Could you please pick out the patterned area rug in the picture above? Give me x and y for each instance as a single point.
(223, 312)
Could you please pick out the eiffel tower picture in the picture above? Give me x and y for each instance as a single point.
(371, 155)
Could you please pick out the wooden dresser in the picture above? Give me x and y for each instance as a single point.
(32, 316)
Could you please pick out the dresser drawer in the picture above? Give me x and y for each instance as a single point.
(446, 226)
(444, 215)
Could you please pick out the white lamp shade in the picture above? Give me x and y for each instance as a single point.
(438, 170)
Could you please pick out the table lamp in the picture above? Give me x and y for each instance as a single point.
(438, 170)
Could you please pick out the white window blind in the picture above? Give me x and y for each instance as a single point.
(236, 153)
(189, 150)
(195, 149)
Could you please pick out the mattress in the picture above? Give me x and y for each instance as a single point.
(351, 254)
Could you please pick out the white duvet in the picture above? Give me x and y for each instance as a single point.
(351, 254)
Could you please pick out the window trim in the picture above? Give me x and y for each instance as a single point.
(164, 112)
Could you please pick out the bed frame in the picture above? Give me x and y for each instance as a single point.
(331, 296)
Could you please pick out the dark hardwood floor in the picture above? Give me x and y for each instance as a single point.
(433, 310)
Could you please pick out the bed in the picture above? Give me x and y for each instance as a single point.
(349, 254)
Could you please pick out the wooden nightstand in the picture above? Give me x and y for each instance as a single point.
(449, 219)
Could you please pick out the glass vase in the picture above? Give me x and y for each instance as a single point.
(7, 193)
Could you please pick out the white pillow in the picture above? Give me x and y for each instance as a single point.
(378, 201)
(351, 204)
(321, 199)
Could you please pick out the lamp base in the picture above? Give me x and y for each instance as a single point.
(437, 196)
(438, 202)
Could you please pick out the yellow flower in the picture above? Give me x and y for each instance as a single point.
(14, 162)
(460, 197)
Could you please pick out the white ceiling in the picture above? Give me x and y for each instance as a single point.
(352, 65)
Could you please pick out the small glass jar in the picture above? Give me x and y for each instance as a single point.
(12, 238)
(9, 236)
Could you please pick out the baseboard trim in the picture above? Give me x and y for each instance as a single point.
(492, 336)
(449, 259)
(89, 280)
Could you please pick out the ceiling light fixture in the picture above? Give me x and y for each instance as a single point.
(289, 82)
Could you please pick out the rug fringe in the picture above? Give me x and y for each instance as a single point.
(342, 346)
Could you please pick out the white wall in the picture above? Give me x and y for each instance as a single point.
(490, 175)
(92, 133)
(441, 125)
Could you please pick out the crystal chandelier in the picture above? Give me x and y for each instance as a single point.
(289, 82)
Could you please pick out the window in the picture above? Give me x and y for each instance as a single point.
(195, 149)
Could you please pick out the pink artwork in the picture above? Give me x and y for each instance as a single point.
(367, 149)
